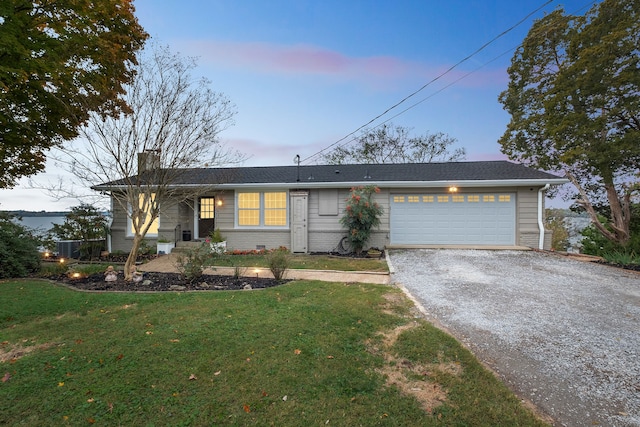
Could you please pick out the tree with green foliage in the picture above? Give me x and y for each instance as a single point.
(59, 61)
(361, 215)
(87, 224)
(554, 221)
(394, 144)
(574, 101)
(19, 254)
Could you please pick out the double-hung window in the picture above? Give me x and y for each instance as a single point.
(261, 209)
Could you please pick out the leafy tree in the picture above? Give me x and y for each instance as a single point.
(59, 61)
(139, 157)
(85, 223)
(361, 215)
(554, 221)
(19, 254)
(574, 100)
(394, 144)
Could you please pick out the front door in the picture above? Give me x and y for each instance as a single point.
(206, 215)
(299, 221)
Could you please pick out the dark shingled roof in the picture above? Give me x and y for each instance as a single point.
(374, 173)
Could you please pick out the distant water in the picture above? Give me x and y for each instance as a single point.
(41, 223)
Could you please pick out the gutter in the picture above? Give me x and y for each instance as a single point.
(540, 216)
(382, 184)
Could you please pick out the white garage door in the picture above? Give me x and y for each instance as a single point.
(453, 219)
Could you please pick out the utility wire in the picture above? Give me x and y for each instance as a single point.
(430, 82)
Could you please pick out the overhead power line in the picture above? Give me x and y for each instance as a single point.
(438, 77)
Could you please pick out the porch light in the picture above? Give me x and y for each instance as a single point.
(453, 189)
(219, 203)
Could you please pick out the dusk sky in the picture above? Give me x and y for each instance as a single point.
(304, 74)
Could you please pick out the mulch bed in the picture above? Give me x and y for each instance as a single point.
(154, 282)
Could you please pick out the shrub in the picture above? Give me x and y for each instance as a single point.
(278, 262)
(362, 214)
(622, 258)
(19, 254)
(191, 265)
(87, 224)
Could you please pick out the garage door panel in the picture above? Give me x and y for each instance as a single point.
(478, 219)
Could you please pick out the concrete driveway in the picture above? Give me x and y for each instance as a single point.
(561, 333)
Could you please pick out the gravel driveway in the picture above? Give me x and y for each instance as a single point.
(562, 333)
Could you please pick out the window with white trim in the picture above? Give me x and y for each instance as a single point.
(261, 209)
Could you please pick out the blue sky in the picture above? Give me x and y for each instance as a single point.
(304, 74)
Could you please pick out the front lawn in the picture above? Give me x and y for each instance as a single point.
(305, 353)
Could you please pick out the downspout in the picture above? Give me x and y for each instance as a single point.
(541, 216)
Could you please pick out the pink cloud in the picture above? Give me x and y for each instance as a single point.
(302, 59)
(293, 59)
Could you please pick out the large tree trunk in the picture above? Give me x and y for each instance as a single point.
(620, 212)
(131, 259)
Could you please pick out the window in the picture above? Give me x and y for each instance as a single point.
(488, 198)
(504, 198)
(249, 209)
(262, 209)
(443, 199)
(473, 199)
(457, 198)
(414, 199)
(275, 209)
(328, 202)
(207, 207)
(427, 199)
(142, 203)
(398, 199)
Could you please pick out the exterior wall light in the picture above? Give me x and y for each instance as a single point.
(219, 203)
(453, 189)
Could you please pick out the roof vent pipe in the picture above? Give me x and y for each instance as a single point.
(541, 216)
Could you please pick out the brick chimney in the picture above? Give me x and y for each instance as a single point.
(148, 160)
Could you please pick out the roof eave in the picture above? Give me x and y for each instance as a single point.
(382, 184)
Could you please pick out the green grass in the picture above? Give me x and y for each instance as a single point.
(311, 262)
(305, 353)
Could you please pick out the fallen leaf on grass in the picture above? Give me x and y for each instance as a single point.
(149, 332)
(330, 357)
(61, 384)
(192, 377)
(120, 356)
(246, 408)
(7, 377)
(297, 351)
(91, 400)
(217, 373)
(174, 340)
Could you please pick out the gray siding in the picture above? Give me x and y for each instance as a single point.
(324, 230)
